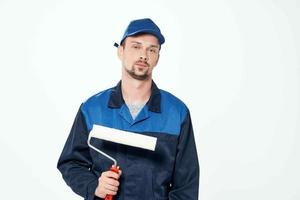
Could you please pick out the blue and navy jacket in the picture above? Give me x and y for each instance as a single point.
(170, 172)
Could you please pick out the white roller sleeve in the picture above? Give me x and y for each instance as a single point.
(123, 137)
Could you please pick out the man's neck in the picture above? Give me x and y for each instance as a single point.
(136, 91)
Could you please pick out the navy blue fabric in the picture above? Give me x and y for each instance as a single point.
(170, 172)
(145, 25)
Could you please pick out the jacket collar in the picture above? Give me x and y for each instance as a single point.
(116, 98)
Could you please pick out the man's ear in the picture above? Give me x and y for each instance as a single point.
(157, 60)
(120, 52)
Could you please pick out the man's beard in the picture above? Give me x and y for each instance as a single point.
(136, 76)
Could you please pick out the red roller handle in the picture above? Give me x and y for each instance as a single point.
(116, 170)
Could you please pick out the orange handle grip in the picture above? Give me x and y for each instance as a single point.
(116, 170)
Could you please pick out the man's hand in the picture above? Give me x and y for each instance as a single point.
(108, 184)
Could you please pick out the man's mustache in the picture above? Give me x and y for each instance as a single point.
(142, 63)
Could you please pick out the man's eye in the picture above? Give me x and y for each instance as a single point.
(153, 50)
(136, 47)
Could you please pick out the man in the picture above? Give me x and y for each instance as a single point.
(135, 105)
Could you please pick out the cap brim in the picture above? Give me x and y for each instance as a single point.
(159, 36)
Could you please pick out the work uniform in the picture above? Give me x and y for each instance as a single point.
(170, 172)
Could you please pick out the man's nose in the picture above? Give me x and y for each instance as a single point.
(143, 55)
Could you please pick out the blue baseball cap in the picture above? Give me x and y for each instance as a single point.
(145, 25)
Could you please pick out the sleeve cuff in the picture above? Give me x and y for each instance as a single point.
(91, 190)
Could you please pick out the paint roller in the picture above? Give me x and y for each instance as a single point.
(120, 137)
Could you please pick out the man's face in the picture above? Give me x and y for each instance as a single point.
(139, 55)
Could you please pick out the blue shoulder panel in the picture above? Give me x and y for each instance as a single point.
(173, 112)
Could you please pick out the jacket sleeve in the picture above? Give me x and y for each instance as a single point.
(75, 161)
(185, 184)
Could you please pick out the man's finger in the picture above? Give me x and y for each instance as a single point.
(112, 182)
(111, 187)
(111, 174)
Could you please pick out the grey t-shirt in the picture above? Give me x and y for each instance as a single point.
(135, 109)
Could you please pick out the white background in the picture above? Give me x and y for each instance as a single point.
(235, 63)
